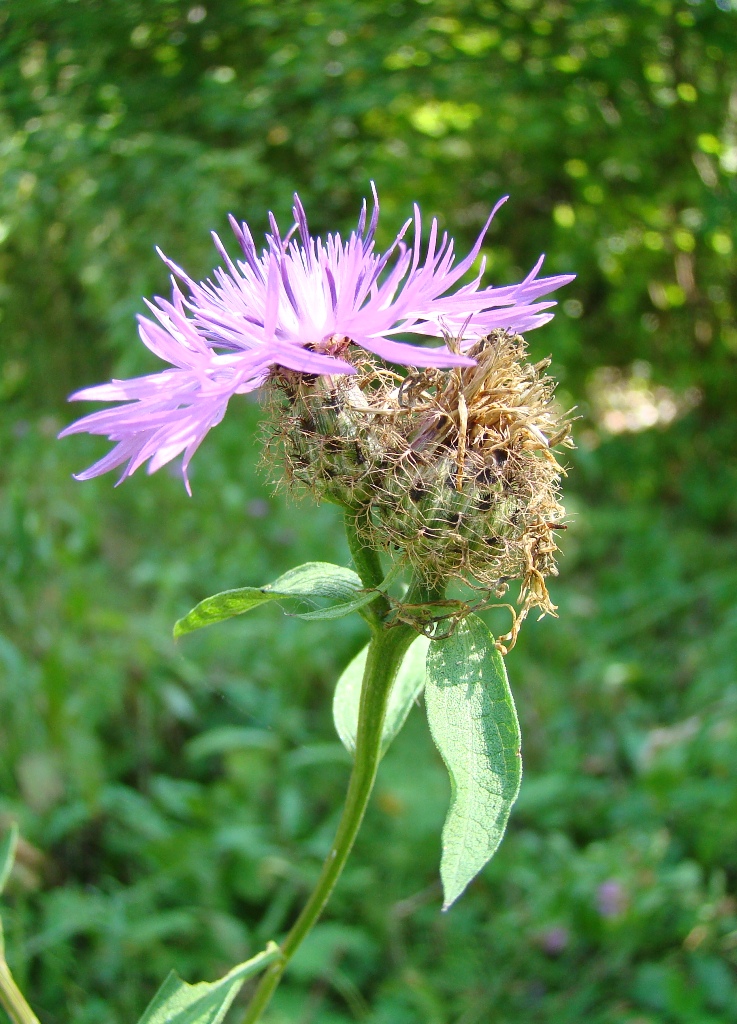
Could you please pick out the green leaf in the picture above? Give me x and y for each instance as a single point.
(474, 725)
(308, 581)
(176, 1002)
(8, 847)
(227, 738)
(405, 691)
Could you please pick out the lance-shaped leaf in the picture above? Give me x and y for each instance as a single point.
(323, 580)
(474, 725)
(406, 689)
(8, 846)
(176, 1002)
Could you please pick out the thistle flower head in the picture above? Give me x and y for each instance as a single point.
(453, 468)
(302, 306)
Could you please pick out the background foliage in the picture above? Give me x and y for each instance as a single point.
(175, 799)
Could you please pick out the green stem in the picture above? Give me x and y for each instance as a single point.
(368, 566)
(385, 654)
(11, 999)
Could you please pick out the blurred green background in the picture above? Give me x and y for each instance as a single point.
(175, 800)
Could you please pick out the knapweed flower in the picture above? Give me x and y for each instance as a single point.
(308, 307)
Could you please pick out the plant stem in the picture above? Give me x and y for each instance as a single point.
(368, 566)
(11, 999)
(385, 654)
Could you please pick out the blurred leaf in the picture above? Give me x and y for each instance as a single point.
(230, 737)
(405, 691)
(315, 753)
(8, 847)
(311, 580)
(176, 1002)
(474, 724)
(326, 945)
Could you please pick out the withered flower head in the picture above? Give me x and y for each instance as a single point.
(452, 469)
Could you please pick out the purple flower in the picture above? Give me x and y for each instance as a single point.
(611, 898)
(555, 940)
(299, 306)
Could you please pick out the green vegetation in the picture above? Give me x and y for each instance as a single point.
(175, 799)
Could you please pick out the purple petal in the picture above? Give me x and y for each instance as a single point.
(414, 355)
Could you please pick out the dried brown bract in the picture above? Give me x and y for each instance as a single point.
(454, 469)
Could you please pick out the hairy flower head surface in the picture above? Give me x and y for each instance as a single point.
(454, 469)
